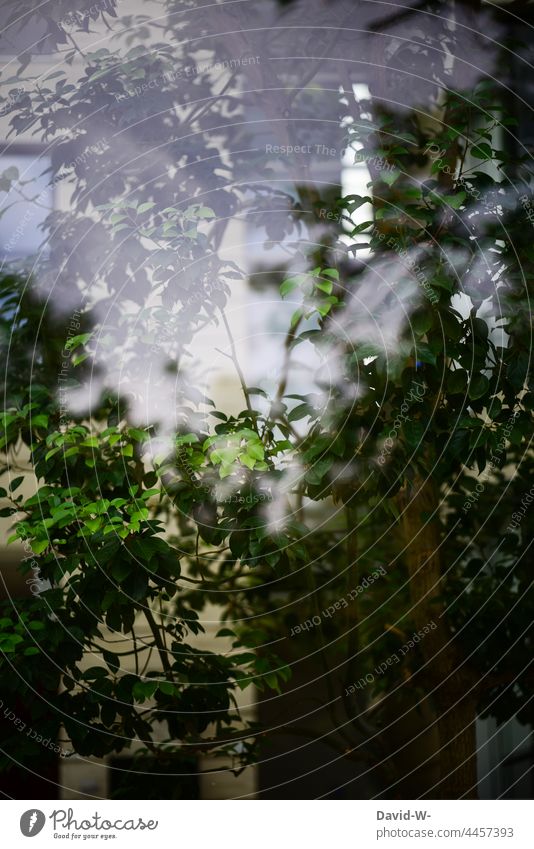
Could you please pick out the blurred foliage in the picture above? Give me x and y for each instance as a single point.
(121, 529)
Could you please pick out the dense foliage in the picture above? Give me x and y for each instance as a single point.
(150, 503)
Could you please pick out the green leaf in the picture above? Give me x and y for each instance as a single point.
(75, 341)
(481, 151)
(144, 207)
(142, 690)
(518, 369)
(425, 354)
(478, 386)
(442, 282)
(256, 450)
(331, 272)
(289, 286)
(389, 177)
(15, 483)
(319, 469)
(94, 672)
(353, 202)
(187, 439)
(71, 451)
(205, 212)
(295, 318)
(457, 382)
(121, 569)
(299, 412)
(325, 286)
(324, 307)
(140, 515)
(39, 421)
(454, 201)
(98, 74)
(459, 443)
(272, 681)
(413, 432)
(422, 321)
(225, 632)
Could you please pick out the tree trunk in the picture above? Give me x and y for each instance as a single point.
(457, 734)
(451, 685)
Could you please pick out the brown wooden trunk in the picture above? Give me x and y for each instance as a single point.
(450, 684)
(457, 734)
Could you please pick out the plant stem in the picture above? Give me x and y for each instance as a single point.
(236, 362)
(159, 643)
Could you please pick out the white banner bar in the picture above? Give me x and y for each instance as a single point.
(264, 825)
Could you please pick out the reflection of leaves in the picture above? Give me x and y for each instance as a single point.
(160, 278)
(478, 386)
(414, 431)
(457, 382)
(482, 151)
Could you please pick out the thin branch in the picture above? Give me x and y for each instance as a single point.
(159, 644)
(236, 361)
